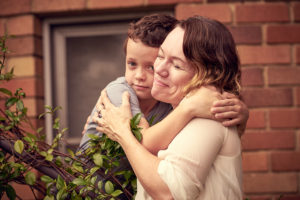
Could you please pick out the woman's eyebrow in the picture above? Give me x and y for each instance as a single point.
(174, 57)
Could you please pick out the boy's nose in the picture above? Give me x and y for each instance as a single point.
(140, 74)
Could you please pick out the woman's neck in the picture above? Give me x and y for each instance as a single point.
(146, 105)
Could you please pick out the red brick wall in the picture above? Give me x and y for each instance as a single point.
(267, 33)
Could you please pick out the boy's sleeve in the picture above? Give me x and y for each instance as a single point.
(114, 92)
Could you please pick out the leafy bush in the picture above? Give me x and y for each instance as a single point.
(96, 173)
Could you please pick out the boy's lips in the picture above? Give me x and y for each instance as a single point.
(159, 83)
(140, 87)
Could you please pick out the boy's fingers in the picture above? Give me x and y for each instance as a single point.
(230, 122)
(226, 115)
(228, 95)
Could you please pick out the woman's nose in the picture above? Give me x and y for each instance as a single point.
(160, 67)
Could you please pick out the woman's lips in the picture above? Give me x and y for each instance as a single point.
(159, 83)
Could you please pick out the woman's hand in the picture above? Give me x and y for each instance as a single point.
(114, 121)
(199, 101)
(232, 111)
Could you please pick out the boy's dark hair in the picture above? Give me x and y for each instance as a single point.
(151, 30)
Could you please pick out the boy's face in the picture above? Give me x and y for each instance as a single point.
(139, 68)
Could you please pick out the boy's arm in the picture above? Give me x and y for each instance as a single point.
(232, 111)
(196, 104)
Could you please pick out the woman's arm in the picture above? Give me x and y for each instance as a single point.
(194, 141)
(115, 122)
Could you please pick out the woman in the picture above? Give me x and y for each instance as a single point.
(204, 160)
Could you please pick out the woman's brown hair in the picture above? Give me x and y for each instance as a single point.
(210, 49)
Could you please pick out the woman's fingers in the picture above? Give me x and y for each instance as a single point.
(125, 99)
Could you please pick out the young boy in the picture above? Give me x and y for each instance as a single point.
(141, 48)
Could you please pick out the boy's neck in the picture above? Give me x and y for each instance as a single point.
(146, 105)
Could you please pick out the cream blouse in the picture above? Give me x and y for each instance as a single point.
(202, 162)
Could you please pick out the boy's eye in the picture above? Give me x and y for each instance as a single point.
(150, 68)
(130, 63)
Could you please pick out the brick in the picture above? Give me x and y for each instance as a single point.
(298, 55)
(268, 140)
(33, 87)
(297, 91)
(285, 118)
(227, 1)
(283, 75)
(268, 12)
(2, 27)
(47, 6)
(221, 12)
(255, 161)
(20, 25)
(290, 197)
(264, 54)
(13, 7)
(283, 33)
(23, 191)
(260, 197)
(35, 106)
(252, 77)
(256, 119)
(285, 161)
(246, 34)
(33, 125)
(266, 97)
(269, 182)
(162, 2)
(296, 11)
(96, 4)
(25, 45)
(25, 66)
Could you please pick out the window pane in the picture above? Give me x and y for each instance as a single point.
(92, 62)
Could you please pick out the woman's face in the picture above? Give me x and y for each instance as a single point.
(171, 70)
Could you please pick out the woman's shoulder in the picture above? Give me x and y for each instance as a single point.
(208, 123)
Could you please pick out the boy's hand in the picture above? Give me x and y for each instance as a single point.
(199, 102)
(232, 111)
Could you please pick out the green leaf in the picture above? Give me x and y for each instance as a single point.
(49, 197)
(109, 187)
(100, 184)
(77, 166)
(61, 195)
(136, 119)
(79, 181)
(30, 178)
(6, 91)
(93, 180)
(93, 170)
(93, 136)
(87, 198)
(19, 146)
(60, 183)
(10, 192)
(46, 179)
(98, 160)
(20, 105)
(116, 193)
(11, 101)
(49, 157)
(138, 135)
(58, 161)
